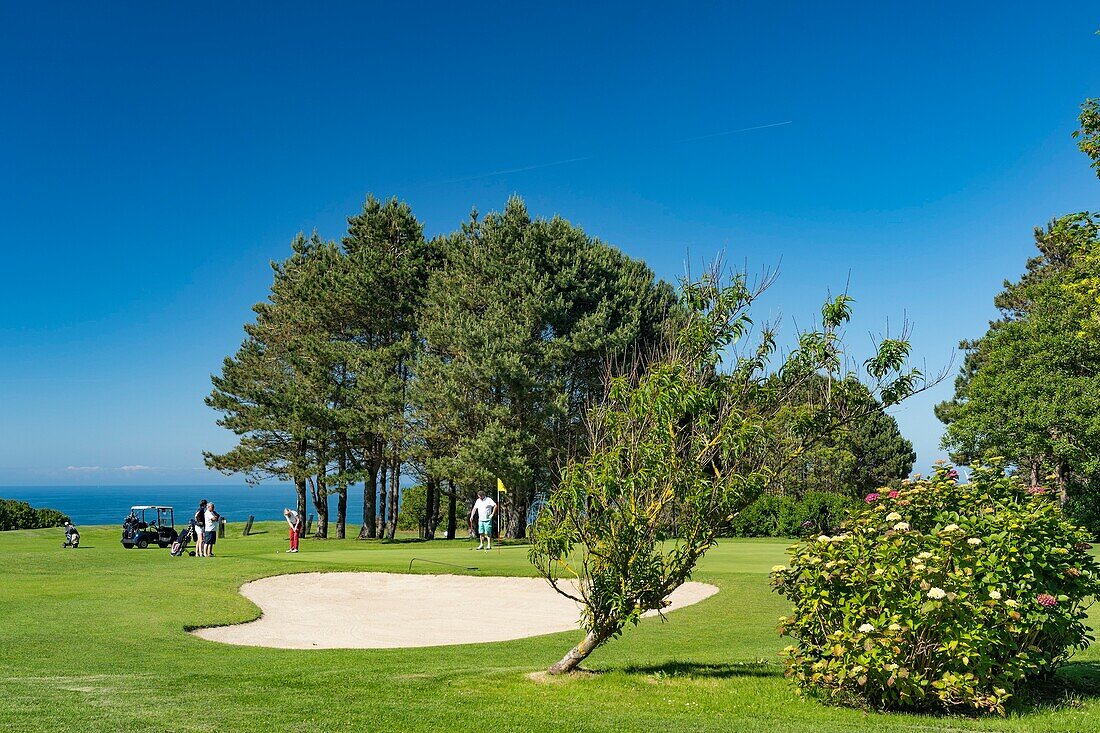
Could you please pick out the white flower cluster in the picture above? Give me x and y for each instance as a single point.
(937, 593)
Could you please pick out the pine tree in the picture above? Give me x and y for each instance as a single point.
(518, 323)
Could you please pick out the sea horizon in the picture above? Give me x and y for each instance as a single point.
(109, 504)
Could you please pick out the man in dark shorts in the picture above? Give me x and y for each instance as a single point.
(211, 534)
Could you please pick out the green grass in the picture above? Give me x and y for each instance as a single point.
(95, 640)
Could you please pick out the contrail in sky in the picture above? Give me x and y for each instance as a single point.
(732, 132)
(519, 170)
(506, 171)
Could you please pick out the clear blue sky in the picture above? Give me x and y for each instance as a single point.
(156, 156)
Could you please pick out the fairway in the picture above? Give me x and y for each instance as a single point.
(97, 640)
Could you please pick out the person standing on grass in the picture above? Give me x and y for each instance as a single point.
(485, 508)
(198, 524)
(294, 519)
(211, 535)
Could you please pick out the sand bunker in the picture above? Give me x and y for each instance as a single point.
(386, 610)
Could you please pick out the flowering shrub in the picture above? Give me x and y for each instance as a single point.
(940, 596)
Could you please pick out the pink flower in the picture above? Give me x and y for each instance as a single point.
(893, 495)
(1046, 600)
(1036, 490)
(872, 498)
(953, 475)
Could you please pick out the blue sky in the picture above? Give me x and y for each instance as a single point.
(156, 156)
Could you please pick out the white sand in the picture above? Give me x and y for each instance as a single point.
(387, 610)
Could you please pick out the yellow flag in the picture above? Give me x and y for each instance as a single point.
(500, 487)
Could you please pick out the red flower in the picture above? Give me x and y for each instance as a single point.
(893, 494)
(1046, 600)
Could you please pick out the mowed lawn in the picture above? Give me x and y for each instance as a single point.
(95, 640)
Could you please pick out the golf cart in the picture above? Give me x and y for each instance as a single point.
(148, 525)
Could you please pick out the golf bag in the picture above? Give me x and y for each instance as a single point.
(72, 538)
(180, 545)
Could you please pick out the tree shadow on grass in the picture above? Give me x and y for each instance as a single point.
(701, 670)
(1071, 686)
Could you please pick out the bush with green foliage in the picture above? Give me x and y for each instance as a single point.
(823, 511)
(413, 512)
(1083, 507)
(49, 518)
(939, 596)
(15, 514)
(769, 515)
(773, 515)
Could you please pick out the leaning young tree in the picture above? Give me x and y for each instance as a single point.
(681, 441)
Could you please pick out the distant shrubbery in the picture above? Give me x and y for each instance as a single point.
(1083, 508)
(784, 516)
(413, 508)
(939, 596)
(21, 515)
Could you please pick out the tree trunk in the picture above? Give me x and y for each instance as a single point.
(431, 508)
(383, 479)
(517, 520)
(342, 496)
(369, 529)
(341, 511)
(1061, 475)
(300, 490)
(579, 653)
(300, 484)
(395, 488)
(452, 513)
(320, 503)
(1035, 473)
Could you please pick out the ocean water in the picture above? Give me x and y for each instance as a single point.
(88, 505)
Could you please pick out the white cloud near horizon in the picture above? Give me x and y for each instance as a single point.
(127, 469)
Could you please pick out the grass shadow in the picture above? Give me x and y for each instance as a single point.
(255, 532)
(1072, 685)
(670, 670)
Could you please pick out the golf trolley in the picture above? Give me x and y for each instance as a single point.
(72, 537)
